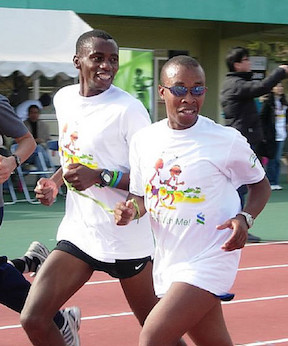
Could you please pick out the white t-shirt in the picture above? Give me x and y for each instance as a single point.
(96, 132)
(22, 109)
(207, 163)
(280, 121)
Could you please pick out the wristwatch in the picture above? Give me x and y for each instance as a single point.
(105, 177)
(17, 160)
(248, 217)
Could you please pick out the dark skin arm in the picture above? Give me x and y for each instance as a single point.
(125, 212)
(47, 189)
(258, 196)
(81, 177)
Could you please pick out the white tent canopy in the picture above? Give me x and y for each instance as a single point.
(39, 40)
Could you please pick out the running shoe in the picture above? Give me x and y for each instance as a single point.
(276, 187)
(37, 253)
(69, 331)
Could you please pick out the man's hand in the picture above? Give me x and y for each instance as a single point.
(285, 67)
(46, 191)
(81, 177)
(6, 167)
(239, 235)
(124, 212)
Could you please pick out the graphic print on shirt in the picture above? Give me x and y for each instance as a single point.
(253, 158)
(166, 187)
(70, 151)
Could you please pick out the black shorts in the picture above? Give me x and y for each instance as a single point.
(121, 269)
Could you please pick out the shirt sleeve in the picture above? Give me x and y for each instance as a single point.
(135, 118)
(136, 186)
(10, 124)
(242, 165)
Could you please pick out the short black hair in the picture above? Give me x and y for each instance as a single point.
(236, 54)
(45, 100)
(32, 106)
(183, 60)
(90, 34)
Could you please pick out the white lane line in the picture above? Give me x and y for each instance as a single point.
(101, 282)
(268, 243)
(121, 314)
(258, 343)
(264, 267)
(106, 316)
(249, 300)
(11, 327)
(274, 266)
(268, 343)
(131, 313)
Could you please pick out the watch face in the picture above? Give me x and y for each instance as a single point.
(107, 178)
(250, 220)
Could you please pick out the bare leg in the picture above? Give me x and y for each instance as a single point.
(59, 278)
(182, 309)
(218, 334)
(140, 295)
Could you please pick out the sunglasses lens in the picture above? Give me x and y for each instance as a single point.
(178, 90)
(198, 90)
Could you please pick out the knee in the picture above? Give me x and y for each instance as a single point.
(154, 337)
(32, 322)
(34, 328)
(143, 338)
(28, 321)
(148, 338)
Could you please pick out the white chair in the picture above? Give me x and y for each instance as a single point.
(12, 192)
(5, 152)
(23, 171)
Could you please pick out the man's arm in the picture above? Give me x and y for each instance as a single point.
(132, 209)
(258, 196)
(26, 146)
(81, 177)
(256, 88)
(47, 189)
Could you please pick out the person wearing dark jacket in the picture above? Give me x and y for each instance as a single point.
(274, 118)
(237, 99)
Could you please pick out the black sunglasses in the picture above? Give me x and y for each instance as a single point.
(178, 90)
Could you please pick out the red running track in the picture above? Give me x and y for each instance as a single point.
(257, 316)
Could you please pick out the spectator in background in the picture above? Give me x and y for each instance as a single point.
(238, 101)
(22, 109)
(20, 91)
(40, 132)
(274, 117)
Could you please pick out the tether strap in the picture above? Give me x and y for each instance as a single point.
(101, 204)
(136, 206)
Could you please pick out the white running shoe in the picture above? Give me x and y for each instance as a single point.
(72, 320)
(276, 187)
(38, 252)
